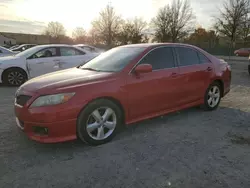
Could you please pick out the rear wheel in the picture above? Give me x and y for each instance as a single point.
(212, 96)
(99, 122)
(14, 77)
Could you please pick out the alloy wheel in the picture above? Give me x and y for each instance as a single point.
(101, 123)
(15, 78)
(213, 96)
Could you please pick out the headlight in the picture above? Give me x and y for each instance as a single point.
(48, 100)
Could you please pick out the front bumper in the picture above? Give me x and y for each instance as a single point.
(47, 124)
(1, 72)
(56, 131)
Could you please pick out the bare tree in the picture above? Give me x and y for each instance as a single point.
(161, 24)
(245, 29)
(93, 37)
(232, 18)
(173, 22)
(132, 31)
(79, 35)
(108, 25)
(55, 29)
(181, 19)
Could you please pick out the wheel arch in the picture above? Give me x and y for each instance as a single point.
(221, 83)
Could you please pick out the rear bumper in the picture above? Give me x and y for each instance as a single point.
(249, 68)
(227, 82)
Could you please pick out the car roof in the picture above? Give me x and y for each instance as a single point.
(148, 45)
(26, 44)
(87, 45)
(56, 45)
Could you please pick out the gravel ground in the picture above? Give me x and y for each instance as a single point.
(191, 148)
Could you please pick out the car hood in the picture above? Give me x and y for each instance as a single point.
(10, 60)
(63, 79)
(5, 54)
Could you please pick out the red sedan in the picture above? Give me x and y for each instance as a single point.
(121, 86)
(242, 52)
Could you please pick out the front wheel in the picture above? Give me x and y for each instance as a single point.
(212, 96)
(99, 122)
(14, 77)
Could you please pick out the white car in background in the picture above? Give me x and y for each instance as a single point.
(89, 48)
(39, 60)
(5, 52)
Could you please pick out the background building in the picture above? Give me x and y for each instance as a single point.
(21, 38)
(6, 40)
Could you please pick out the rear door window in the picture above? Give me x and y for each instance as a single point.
(65, 51)
(187, 56)
(203, 59)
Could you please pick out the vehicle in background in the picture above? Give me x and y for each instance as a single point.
(242, 52)
(90, 48)
(249, 65)
(12, 47)
(6, 46)
(5, 52)
(124, 85)
(23, 47)
(39, 60)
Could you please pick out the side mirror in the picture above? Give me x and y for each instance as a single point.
(143, 68)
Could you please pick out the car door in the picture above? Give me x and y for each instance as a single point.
(206, 70)
(43, 61)
(72, 57)
(192, 74)
(155, 91)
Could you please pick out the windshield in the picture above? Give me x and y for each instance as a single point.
(113, 60)
(28, 52)
(5, 50)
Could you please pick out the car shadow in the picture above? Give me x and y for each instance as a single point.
(179, 118)
(165, 131)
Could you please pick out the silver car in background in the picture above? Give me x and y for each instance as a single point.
(5, 52)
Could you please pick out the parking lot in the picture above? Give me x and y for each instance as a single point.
(190, 148)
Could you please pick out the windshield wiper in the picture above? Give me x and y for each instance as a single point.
(90, 69)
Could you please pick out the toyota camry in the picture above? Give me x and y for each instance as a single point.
(124, 85)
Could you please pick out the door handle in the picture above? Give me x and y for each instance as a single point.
(174, 74)
(209, 69)
(57, 60)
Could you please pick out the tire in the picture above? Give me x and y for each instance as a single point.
(237, 54)
(212, 97)
(92, 134)
(14, 77)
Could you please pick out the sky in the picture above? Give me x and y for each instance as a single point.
(32, 16)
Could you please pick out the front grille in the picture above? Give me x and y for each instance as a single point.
(22, 99)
